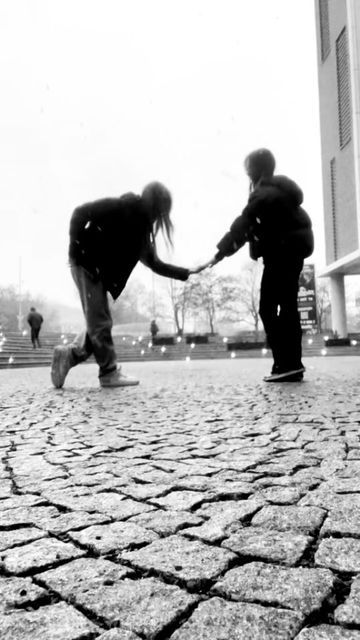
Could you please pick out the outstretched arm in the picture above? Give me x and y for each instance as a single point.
(150, 259)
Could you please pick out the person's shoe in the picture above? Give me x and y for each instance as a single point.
(292, 375)
(117, 379)
(61, 363)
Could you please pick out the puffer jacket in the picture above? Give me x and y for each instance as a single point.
(273, 222)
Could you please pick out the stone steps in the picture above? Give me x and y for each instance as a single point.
(17, 351)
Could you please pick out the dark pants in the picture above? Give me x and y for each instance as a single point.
(279, 312)
(97, 338)
(35, 337)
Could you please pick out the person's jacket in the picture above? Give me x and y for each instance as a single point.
(108, 237)
(35, 319)
(273, 222)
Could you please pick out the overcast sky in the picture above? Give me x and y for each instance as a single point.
(101, 96)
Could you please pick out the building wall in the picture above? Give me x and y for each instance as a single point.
(341, 223)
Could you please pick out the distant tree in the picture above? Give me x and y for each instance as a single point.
(240, 296)
(322, 303)
(180, 294)
(9, 309)
(133, 304)
(205, 297)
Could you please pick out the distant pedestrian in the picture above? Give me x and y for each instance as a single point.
(107, 239)
(280, 231)
(35, 321)
(154, 329)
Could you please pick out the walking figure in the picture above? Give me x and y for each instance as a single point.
(107, 239)
(154, 329)
(35, 321)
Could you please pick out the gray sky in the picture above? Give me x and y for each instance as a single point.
(101, 96)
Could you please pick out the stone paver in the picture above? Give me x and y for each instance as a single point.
(349, 612)
(343, 521)
(201, 504)
(16, 592)
(113, 537)
(37, 554)
(73, 521)
(284, 518)
(18, 536)
(220, 620)
(298, 588)
(166, 522)
(118, 634)
(341, 554)
(327, 632)
(53, 622)
(144, 606)
(180, 500)
(285, 547)
(188, 560)
(230, 510)
(27, 515)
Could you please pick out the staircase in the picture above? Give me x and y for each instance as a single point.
(17, 351)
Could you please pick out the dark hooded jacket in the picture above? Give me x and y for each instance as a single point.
(273, 222)
(108, 237)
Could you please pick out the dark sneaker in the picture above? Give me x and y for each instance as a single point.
(117, 379)
(293, 375)
(61, 363)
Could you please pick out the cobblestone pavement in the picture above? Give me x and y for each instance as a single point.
(201, 505)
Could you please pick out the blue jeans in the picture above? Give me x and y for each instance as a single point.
(97, 338)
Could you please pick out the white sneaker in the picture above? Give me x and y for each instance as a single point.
(61, 363)
(117, 379)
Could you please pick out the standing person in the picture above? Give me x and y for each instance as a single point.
(154, 329)
(35, 321)
(107, 239)
(280, 231)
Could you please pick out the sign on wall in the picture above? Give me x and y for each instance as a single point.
(307, 299)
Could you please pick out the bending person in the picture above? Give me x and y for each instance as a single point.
(280, 231)
(107, 239)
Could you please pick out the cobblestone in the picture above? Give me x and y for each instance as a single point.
(298, 588)
(302, 519)
(17, 536)
(220, 620)
(37, 554)
(113, 537)
(190, 561)
(341, 554)
(203, 504)
(274, 546)
(54, 622)
(17, 592)
(327, 632)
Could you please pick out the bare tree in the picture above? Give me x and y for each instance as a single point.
(241, 294)
(206, 297)
(9, 309)
(180, 298)
(322, 303)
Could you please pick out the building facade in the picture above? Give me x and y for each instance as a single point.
(338, 46)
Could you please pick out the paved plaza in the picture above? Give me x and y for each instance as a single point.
(204, 504)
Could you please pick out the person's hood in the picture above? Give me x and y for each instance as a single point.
(288, 187)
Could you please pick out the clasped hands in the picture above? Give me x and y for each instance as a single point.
(201, 267)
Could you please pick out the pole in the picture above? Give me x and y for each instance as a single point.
(20, 316)
(153, 297)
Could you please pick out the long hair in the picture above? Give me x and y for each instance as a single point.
(158, 201)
